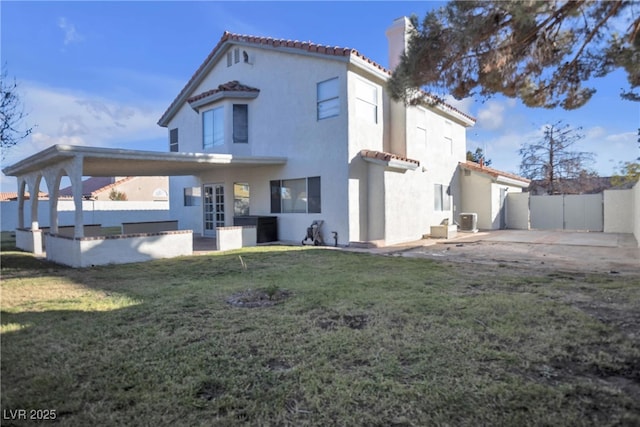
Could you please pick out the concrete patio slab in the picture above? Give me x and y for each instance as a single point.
(612, 253)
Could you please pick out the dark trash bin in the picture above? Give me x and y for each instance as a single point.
(266, 226)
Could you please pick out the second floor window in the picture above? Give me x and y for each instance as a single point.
(213, 128)
(240, 123)
(367, 101)
(173, 140)
(328, 98)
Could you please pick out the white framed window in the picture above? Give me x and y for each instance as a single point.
(173, 140)
(448, 136)
(241, 194)
(441, 197)
(421, 126)
(296, 195)
(213, 127)
(192, 196)
(328, 98)
(240, 123)
(366, 101)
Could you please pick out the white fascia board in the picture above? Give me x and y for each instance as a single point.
(222, 95)
(369, 68)
(510, 181)
(392, 164)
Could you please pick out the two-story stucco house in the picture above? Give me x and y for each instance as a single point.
(374, 170)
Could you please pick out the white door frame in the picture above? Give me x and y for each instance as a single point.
(213, 206)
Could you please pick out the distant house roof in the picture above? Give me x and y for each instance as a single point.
(494, 173)
(291, 45)
(12, 195)
(93, 186)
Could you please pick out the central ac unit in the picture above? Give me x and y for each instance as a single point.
(469, 222)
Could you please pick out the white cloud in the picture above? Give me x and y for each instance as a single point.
(62, 116)
(71, 35)
(492, 115)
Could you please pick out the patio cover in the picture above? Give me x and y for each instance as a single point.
(76, 162)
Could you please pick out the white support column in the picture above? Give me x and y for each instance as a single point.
(33, 181)
(75, 174)
(21, 187)
(52, 178)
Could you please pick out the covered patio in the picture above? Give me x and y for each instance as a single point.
(84, 246)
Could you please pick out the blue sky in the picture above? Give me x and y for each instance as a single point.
(102, 73)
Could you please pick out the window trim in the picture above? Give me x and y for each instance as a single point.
(213, 144)
(329, 99)
(235, 138)
(191, 196)
(360, 81)
(174, 146)
(311, 207)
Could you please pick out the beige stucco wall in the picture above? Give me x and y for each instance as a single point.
(147, 188)
(518, 211)
(619, 211)
(477, 197)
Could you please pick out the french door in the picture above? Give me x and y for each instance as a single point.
(213, 208)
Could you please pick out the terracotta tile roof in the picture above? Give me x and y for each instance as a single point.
(94, 186)
(12, 195)
(287, 44)
(381, 155)
(492, 172)
(232, 86)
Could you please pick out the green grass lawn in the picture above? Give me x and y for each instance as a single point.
(361, 340)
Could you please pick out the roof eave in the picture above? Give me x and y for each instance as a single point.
(223, 95)
(501, 179)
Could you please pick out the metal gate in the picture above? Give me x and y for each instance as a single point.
(567, 212)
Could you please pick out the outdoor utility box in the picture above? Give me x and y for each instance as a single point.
(469, 222)
(266, 226)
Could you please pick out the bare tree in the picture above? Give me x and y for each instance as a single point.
(539, 51)
(11, 114)
(551, 162)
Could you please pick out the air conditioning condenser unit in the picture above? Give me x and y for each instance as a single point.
(469, 222)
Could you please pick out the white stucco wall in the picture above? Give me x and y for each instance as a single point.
(618, 211)
(359, 204)
(88, 252)
(282, 122)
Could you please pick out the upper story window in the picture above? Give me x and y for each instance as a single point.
(328, 98)
(173, 140)
(421, 126)
(213, 127)
(448, 136)
(366, 101)
(240, 123)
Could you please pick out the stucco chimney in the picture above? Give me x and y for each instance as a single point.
(398, 35)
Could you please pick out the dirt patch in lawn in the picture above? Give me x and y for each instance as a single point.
(254, 298)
